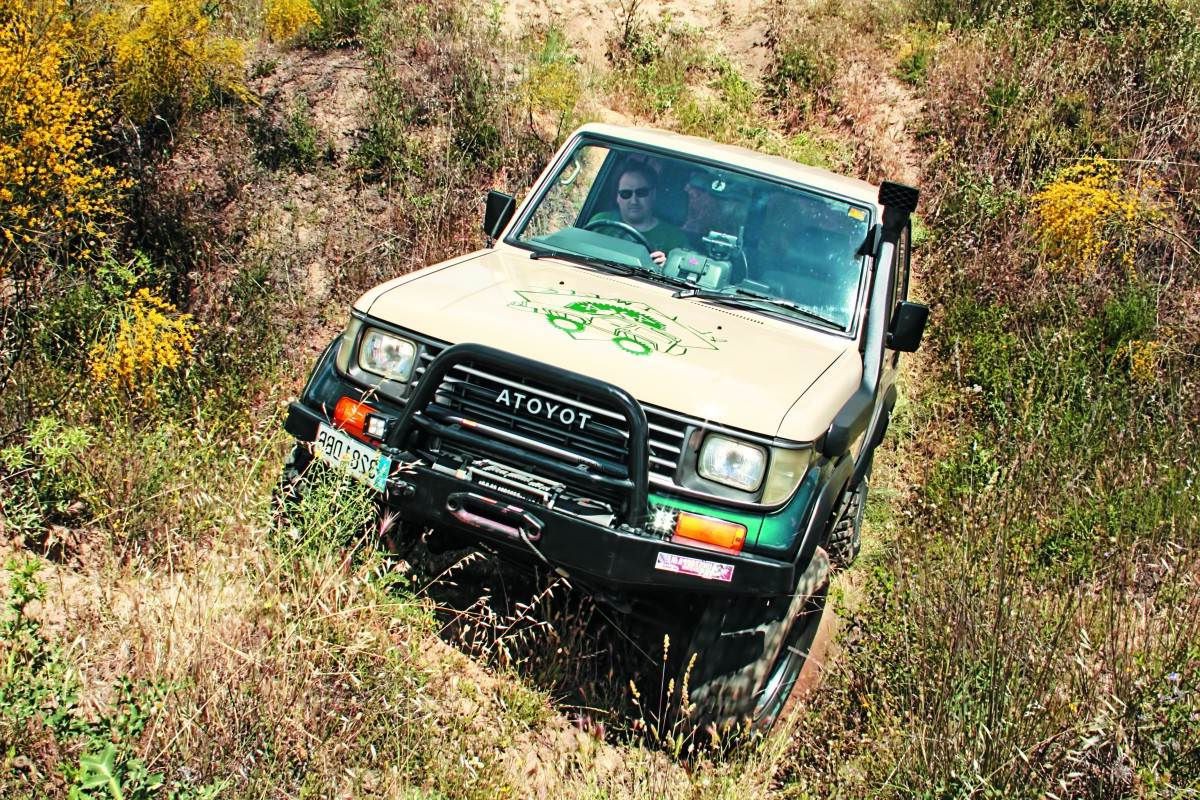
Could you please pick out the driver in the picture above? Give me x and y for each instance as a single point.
(635, 207)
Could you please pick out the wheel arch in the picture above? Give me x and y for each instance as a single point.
(817, 525)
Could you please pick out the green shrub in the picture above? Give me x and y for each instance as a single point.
(169, 58)
(343, 22)
(552, 84)
(653, 61)
(286, 19)
(800, 70)
(294, 142)
(808, 50)
(42, 480)
(1063, 79)
(915, 50)
(330, 513)
(42, 718)
(475, 118)
(467, 93)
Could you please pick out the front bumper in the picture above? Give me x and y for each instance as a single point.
(623, 558)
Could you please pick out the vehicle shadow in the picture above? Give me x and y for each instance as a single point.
(603, 668)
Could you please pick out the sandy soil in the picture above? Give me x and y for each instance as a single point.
(737, 27)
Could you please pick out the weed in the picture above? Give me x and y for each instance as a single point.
(42, 480)
(263, 67)
(475, 123)
(524, 706)
(653, 61)
(35, 681)
(800, 70)
(57, 191)
(39, 703)
(293, 143)
(343, 22)
(805, 53)
(553, 85)
(1080, 209)
(729, 116)
(915, 50)
(330, 513)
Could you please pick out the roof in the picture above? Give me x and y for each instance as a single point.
(740, 157)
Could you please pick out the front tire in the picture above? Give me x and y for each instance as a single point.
(845, 537)
(752, 654)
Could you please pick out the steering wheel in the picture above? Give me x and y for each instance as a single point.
(631, 233)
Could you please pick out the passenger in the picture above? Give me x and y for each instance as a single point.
(715, 203)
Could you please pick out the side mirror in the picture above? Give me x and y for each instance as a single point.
(908, 326)
(499, 211)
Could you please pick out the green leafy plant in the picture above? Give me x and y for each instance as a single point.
(41, 481)
(343, 22)
(915, 50)
(104, 775)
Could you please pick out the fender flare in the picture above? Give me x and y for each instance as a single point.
(818, 518)
(876, 436)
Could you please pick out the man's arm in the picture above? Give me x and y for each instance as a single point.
(664, 238)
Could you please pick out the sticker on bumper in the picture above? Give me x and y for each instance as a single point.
(696, 567)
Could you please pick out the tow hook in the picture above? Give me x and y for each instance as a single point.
(401, 488)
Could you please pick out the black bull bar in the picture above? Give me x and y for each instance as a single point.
(634, 484)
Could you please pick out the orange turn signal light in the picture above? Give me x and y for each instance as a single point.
(710, 531)
(349, 415)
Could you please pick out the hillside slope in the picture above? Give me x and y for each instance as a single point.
(1023, 621)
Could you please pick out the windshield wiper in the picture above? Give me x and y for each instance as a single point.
(579, 258)
(660, 277)
(746, 298)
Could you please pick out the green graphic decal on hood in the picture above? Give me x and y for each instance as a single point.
(634, 327)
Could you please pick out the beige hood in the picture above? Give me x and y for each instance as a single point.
(726, 365)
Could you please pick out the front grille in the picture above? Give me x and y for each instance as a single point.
(544, 418)
(469, 389)
(668, 432)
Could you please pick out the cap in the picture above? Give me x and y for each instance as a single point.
(719, 185)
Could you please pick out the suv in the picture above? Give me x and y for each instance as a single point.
(664, 378)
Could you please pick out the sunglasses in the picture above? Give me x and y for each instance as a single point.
(625, 194)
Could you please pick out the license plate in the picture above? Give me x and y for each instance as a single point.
(362, 461)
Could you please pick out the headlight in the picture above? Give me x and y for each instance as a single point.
(386, 355)
(732, 463)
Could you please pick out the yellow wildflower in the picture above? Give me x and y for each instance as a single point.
(1144, 356)
(285, 19)
(166, 52)
(1080, 210)
(152, 340)
(51, 183)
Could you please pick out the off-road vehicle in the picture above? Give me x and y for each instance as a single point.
(686, 433)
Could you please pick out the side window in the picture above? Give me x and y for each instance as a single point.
(565, 200)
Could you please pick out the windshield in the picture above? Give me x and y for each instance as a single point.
(769, 246)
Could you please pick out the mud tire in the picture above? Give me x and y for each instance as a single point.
(752, 655)
(845, 537)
